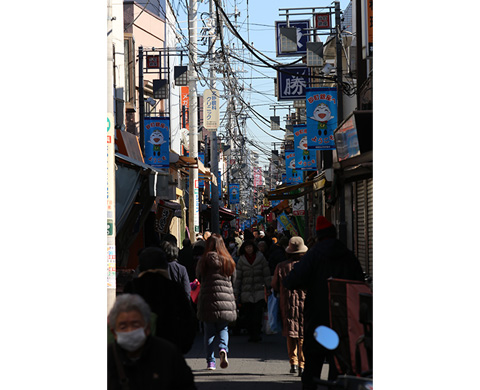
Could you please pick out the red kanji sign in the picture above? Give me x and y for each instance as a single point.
(153, 62)
(322, 21)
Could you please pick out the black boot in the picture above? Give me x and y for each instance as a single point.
(300, 371)
(293, 369)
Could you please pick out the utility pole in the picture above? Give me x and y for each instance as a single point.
(111, 251)
(215, 213)
(193, 205)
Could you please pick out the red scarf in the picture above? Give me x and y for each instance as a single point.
(251, 258)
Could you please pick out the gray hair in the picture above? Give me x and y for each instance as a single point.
(129, 302)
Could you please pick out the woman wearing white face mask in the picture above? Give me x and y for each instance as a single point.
(139, 358)
(253, 275)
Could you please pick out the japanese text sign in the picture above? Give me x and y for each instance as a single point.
(293, 82)
(157, 141)
(321, 118)
(305, 159)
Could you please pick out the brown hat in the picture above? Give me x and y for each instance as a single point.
(296, 245)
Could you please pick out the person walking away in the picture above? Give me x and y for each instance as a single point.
(185, 258)
(276, 254)
(175, 320)
(176, 271)
(291, 305)
(329, 258)
(138, 358)
(216, 301)
(253, 276)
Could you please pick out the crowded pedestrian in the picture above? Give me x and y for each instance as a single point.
(216, 301)
(253, 279)
(185, 258)
(276, 253)
(291, 305)
(139, 359)
(177, 271)
(175, 316)
(329, 258)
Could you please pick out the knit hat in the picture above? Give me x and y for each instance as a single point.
(322, 223)
(296, 245)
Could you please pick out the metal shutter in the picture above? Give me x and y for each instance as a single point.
(363, 224)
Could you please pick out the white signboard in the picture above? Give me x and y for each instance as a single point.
(211, 109)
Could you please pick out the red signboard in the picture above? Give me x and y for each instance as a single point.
(322, 21)
(153, 61)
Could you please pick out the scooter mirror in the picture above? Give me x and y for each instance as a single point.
(326, 337)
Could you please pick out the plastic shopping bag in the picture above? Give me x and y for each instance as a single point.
(274, 322)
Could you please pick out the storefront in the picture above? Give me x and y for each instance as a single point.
(354, 171)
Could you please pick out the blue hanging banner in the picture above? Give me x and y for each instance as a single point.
(234, 193)
(293, 175)
(305, 160)
(219, 184)
(157, 141)
(321, 117)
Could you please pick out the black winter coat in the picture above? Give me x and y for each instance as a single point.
(216, 301)
(166, 298)
(329, 258)
(160, 366)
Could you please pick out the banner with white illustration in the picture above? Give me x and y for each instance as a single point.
(321, 104)
(305, 159)
(293, 175)
(157, 141)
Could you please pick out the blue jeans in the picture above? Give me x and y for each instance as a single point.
(210, 332)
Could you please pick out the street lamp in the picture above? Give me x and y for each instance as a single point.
(160, 89)
(180, 75)
(288, 39)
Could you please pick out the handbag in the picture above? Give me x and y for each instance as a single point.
(194, 290)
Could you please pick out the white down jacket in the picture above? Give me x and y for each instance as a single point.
(251, 279)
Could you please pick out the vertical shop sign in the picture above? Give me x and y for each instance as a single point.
(305, 160)
(185, 102)
(321, 118)
(211, 109)
(201, 157)
(157, 141)
(293, 175)
(234, 193)
(111, 251)
(257, 176)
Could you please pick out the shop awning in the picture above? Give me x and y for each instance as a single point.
(285, 192)
(224, 213)
(191, 162)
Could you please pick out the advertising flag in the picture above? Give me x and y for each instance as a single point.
(305, 159)
(287, 224)
(157, 141)
(322, 116)
(293, 175)
(234, 193)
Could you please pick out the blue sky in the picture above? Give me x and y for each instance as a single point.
(261, 18)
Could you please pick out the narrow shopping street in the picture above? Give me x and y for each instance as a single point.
(252, 366)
